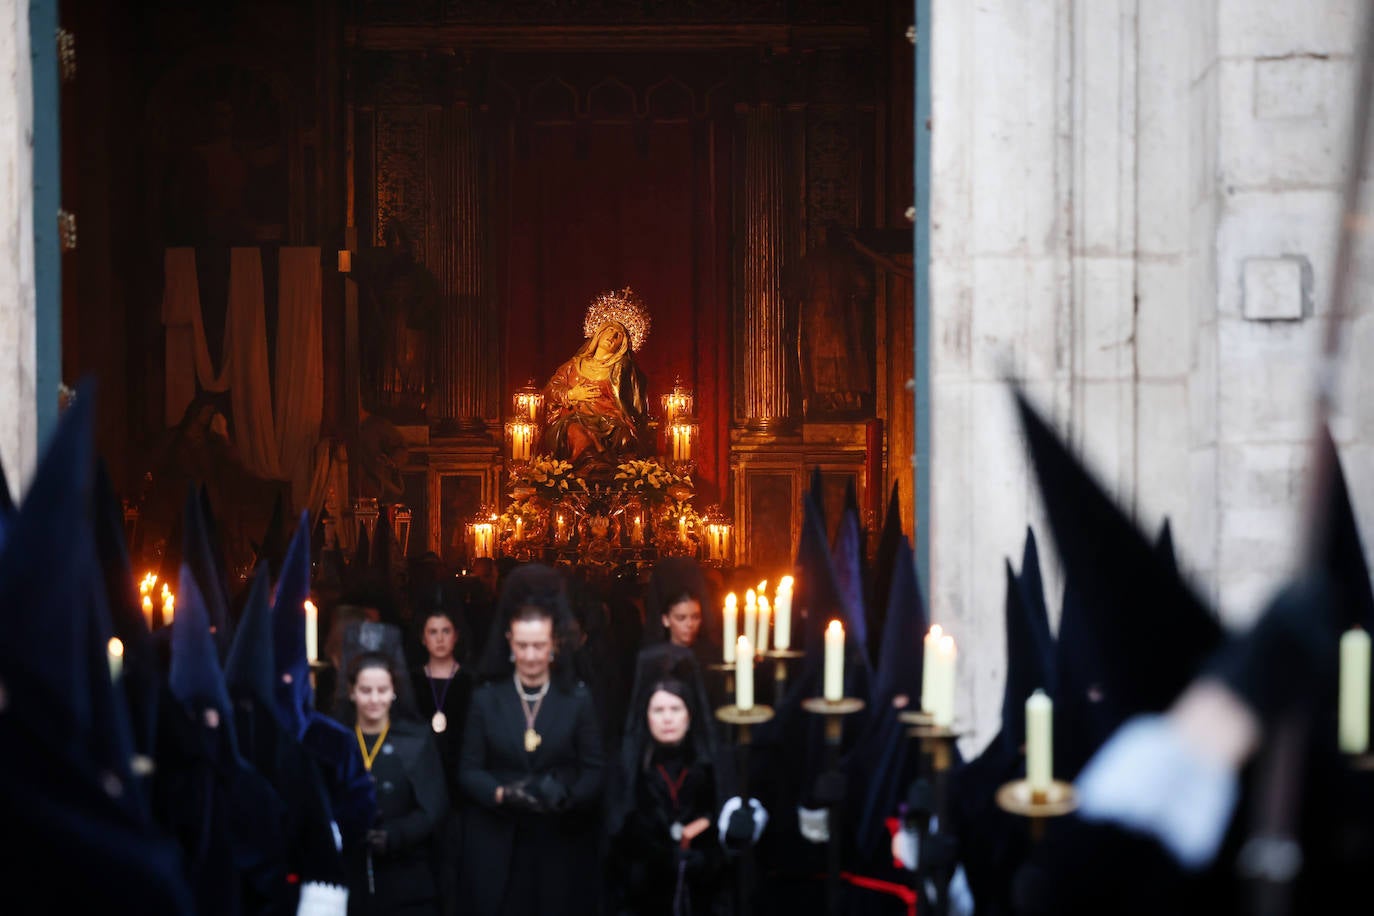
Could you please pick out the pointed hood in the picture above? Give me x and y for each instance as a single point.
(849, 576)
(883, 565)
(1342, 548)
(141, 679)
(272, 547)
(195, 679)
(1148, 629)
(884, 757)
(1164, 544)
(198, 557)
(294, 695)
(1030, 660)
(251, 667)
(69, 788)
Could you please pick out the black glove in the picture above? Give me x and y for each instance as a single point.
(376, 840)
(518, 797)
(550, 792)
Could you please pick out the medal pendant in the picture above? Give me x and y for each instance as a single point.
(439, 723)
(532, 740)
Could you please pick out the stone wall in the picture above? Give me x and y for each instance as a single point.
(18, 417)
(1133, 208)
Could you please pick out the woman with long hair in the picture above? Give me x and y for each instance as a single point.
(531, 763)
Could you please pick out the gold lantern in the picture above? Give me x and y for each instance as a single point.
(719, 537)
(481, 533)
(520, 433)
(678, 403)
(528, 402)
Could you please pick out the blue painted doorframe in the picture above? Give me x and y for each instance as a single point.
(921, 296)
(47, 198)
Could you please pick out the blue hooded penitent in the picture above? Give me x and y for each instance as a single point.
(351, 793)
(883, 763)
(198, 553)
(65, 785)
(1147, 628)
(849, 580)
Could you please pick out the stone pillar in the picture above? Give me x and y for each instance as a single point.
(18, 413)
(466, 386)
(763, 403)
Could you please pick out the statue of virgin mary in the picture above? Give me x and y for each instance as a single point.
(596, 410)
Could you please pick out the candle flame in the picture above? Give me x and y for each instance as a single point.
(763, 586)
(835, 627)
(936, 632)
(731, 600)
(947, 644)
(116, 647)
(310, 607)
(786, 583)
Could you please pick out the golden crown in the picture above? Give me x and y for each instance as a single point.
(625, 307)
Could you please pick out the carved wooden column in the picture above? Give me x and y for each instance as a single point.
(467, 371)
(764, 402)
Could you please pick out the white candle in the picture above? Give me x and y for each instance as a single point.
(762, 642)
(1354, 695)
(751, 614)
(115, 653)
(928, 667)
(782, 615)
(148, 610)
(1039, 741)
(312, 631)
(834, 661)
(169, 607)
(731, 626)
(945, 656)
(744, 674)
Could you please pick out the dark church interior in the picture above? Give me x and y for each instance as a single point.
(424, 197)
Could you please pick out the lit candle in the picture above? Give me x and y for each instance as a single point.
(782, 615)
(1354, 696)
(928, 667)
(744, 674)
(731, 625)
(115, 653)
(312, 631)
(519, 527)
(751, 614)
(762, 641)
(169, 607)
(682, 528)
(834, 662)
(945, 656)
(148, 610)
(1039, 742)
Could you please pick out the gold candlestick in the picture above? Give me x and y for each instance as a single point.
(317, 665)
(834, 712)
(780, 659)
(729, 669)
(1017, 797)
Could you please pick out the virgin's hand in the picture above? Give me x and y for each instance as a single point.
(581, 392)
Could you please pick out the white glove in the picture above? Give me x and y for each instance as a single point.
(1149, 779)
(814, 824)
(906, 847)
(322, 900)
(760, 816)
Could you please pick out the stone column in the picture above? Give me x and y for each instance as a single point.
(763, 403)
(18, 413)
(466, 387)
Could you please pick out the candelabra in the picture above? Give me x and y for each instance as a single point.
(780, 659)
(834, 712)
(937, 746)
(744, 721)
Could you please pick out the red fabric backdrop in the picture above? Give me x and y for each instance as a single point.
(594, 207)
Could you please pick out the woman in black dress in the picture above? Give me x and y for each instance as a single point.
(443, 690)
(681, 608)
(665, 856)
(393, 874)
(531, 764)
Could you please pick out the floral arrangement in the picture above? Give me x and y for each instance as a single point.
(548, 477)
(653, 479)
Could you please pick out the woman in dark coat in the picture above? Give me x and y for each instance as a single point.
(680, 608)
(665, 856)
(393, 873)
(531, 764)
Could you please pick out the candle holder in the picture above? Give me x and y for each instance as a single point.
(834, 712)
(316, 666)
(744, 720)
(1362, 763)
(916, 717)
(1017, 797)
(729, 669)
(780, 659)
(938, 742)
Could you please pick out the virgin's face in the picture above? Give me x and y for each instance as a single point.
(372, 694)
(609, 340)
(668, 717)
(531, 642)
(683, 621)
